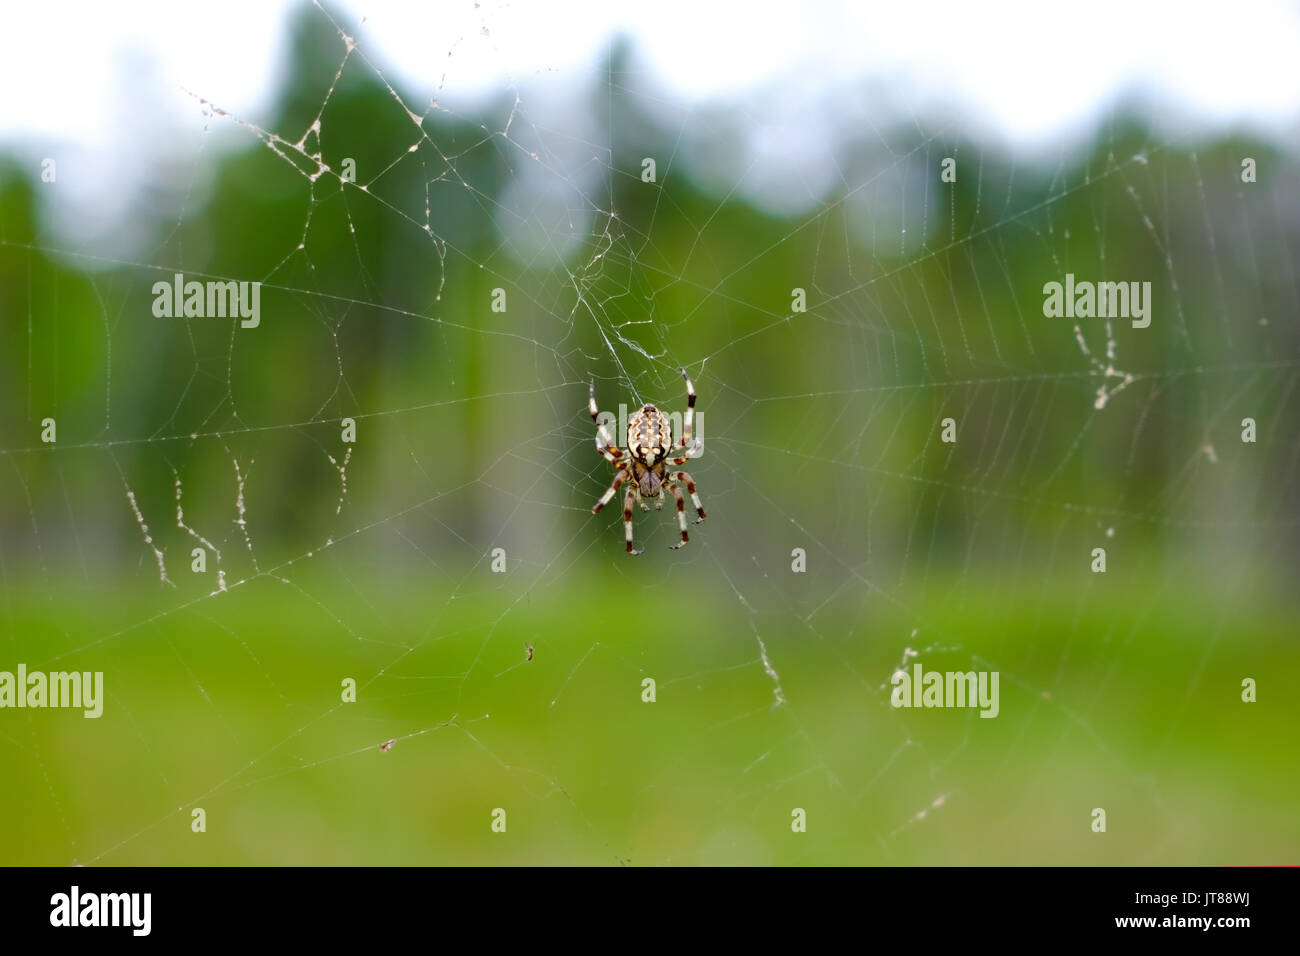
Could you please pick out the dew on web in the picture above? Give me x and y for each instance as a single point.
(148, 538)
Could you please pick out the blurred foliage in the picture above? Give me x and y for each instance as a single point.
(369, 313)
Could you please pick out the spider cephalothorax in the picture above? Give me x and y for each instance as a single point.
(646, 462)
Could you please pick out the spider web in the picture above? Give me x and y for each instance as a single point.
(523, 690)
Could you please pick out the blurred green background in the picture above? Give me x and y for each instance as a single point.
(1119, 690)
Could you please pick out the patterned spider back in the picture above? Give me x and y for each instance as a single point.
(649, 436)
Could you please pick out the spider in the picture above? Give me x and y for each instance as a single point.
(646, 462)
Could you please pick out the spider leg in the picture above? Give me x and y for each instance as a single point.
(688, 422)
(628, 498)
(696, 444)
(604, 441)
(610, 491)
(681, 517)
(695, 499)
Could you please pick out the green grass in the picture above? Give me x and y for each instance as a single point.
(1110, 697)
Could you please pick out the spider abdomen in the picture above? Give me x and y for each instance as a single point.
(649, 435)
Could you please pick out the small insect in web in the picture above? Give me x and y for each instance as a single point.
(528, 652)
(645, 465)
(387, 745)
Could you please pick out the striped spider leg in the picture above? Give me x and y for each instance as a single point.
(604, 441)
(693, 445)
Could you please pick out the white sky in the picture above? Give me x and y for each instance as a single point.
(106, 85)
(1031, 67)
